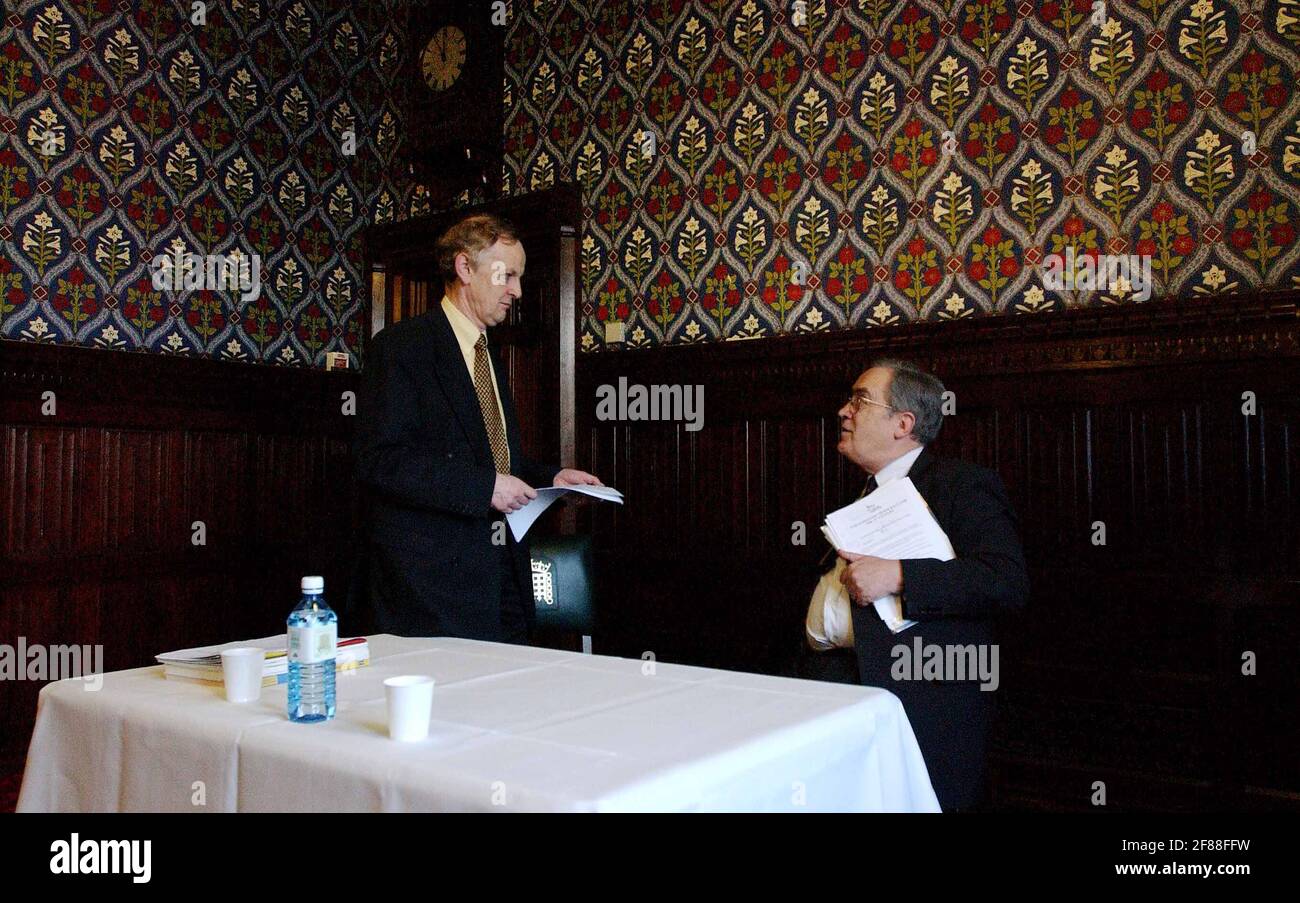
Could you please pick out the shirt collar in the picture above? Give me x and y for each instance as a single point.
(898, 468)
(466, 332)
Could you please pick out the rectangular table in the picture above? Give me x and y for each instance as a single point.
(514, 728)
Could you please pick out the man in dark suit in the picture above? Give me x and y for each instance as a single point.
(437, 450)
(895, 410)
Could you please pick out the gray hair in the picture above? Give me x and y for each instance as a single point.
(913, 389)
(472, 235)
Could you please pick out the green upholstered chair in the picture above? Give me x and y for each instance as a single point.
(562, 586)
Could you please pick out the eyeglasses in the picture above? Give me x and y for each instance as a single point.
(858, 399)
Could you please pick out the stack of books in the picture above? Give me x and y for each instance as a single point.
(203, 665)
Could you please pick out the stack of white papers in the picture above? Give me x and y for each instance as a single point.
(203, 664)
(522, 520)
(892, 522)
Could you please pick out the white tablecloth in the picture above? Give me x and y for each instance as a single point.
(514, 728)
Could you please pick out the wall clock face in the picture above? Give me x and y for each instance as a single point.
(443, 58)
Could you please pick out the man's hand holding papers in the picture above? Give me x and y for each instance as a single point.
(522, 519)
(868, 577)
(879, 530)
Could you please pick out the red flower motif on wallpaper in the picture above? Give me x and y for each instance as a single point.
(74, 298)
(991, 138)
(81, 195)
(612, 113)
(261, 322)
(11, 290)
(212, 128)
(914, 152)
(665, 298)
(844, 56)
(779, 72)
(208, 221)
(1256, 90)
(612, 205)
(148, 207)
(781, 291)
(665, 198)
(83, 92)
(143, 308)
(1065, 15)
(155, 18)
(721, 85)
(721, 296)
(911, 38)
(1159, 107)
(845, 167)
(986, 22)
(264, 231)
(666, 99)
(612, 302)
(204, 315)
(781, 178)
(918, 271)
(1262, 230)
(151, 112)
(1071, 123)
(16, 74)
(848, 281)
(14, 188)
(993, 263)
(720, 188)
(565, 123)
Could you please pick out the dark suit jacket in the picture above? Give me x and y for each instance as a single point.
(422, 454)
(954, 602)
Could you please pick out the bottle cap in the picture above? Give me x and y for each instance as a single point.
(313, 584)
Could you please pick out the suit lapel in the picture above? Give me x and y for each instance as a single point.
(449, 367)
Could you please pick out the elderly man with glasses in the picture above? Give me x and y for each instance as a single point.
(892, 415)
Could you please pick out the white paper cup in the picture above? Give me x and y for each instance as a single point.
(241, 669)
(410, 701)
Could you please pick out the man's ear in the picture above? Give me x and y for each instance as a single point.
(464, 269)
(906, 425)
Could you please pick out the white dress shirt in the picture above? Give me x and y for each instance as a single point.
(829, 624)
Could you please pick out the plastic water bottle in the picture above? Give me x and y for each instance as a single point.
(313, 643)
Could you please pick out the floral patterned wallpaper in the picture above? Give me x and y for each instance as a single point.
(158, 128)
(750, 168)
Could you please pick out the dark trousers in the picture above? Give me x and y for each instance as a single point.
(833, 665)
(389, 583)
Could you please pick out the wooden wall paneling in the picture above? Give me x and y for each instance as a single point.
(218, 493)
(45, 504)
(1263, 730)
(133, 465)
(97, 502)
(1268, 449)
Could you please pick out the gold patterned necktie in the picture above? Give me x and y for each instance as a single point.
(487, 402)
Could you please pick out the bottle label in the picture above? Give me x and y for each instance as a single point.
(309, 645)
